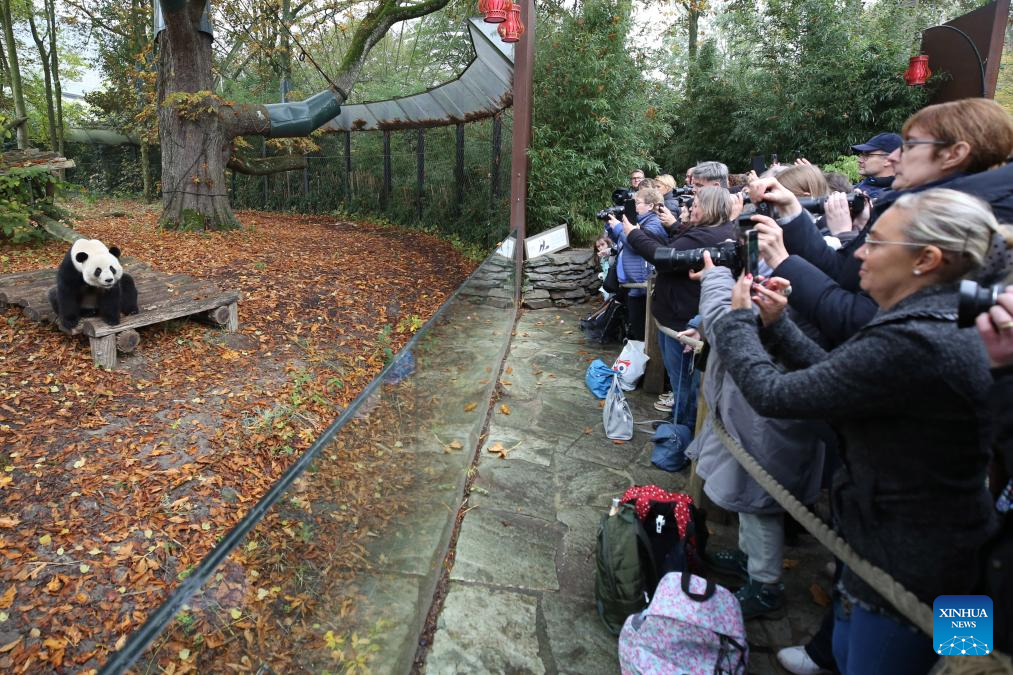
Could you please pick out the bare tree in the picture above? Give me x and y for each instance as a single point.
(20, 111)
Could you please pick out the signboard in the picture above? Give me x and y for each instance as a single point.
(549, 241)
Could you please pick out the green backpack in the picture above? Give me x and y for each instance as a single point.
(626, 571)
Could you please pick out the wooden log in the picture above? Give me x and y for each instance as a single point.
(218, 315)
(103, 351)
(56, 228)
(127, 340)
(232, 325)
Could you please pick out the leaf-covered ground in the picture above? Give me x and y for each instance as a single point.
(113, 485)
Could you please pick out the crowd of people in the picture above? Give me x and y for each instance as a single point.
(841, 349)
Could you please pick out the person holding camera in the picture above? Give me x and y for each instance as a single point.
(677, 296)
(905, 395)
(630, 265)
(951, 145)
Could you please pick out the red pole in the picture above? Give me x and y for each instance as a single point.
(524, 59)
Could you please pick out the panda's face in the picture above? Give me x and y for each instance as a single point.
(102, 270)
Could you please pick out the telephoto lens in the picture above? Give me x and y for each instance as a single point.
(818, 205)
(975, 299)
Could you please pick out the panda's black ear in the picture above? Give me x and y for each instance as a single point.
(81, 256)
(115, 250)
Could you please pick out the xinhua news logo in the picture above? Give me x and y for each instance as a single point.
(962, 625)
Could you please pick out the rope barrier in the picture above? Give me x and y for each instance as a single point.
(903, 600)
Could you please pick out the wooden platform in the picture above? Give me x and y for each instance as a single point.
(161, 297)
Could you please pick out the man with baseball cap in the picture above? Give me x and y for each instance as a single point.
(873, 164)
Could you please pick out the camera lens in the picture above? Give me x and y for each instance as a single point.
(974, 300)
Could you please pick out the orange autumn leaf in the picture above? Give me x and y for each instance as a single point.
(468, 407)
(505, 409)
(8, 597)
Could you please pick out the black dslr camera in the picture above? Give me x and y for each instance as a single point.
(619, 198)
(743, 254)
(975, 299)
(817, 205)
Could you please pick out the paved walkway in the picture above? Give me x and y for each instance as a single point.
(521, 592)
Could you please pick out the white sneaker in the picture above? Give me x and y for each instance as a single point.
(797, 660)
(668, 397)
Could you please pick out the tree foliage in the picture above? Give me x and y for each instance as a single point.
(596, 115)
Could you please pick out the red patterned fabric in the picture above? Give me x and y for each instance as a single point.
(642, 495)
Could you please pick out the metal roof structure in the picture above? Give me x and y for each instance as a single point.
(483, 89)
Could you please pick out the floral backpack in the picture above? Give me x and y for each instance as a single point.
(691, 627)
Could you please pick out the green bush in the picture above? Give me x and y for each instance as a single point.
(846, 164)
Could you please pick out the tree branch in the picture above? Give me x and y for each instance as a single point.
(96, 21)
(267, 165)
(12, 125)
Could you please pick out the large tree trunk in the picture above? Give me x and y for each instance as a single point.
(6, 18)
(194, 142)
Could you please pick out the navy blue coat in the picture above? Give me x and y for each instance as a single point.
(825, 283)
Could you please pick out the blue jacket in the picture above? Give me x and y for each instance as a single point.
(875, 187)
(825, 283)
(632, 266)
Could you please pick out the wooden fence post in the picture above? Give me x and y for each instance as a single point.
(654, 375)
(420, 171)
(385, 192)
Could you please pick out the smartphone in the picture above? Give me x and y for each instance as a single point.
(630, 211)
(753, 252)
(759, 166)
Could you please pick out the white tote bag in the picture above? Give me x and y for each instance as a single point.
(616, 415)
(631, 364)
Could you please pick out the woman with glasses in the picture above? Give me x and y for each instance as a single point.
(632, 267)
(952, 145)
(905, 395)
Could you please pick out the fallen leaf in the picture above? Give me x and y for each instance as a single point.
(790, 563)
(819, 596)
(10, 645)
(8, 597)
(498, 449)
(184, 654)
(505, 409)
(235, 613)
(9, 521)
(588, 430)
(618, 442)
(79, 463)
(45, 540)
(262, 593)
(455, 445)
(84, 568)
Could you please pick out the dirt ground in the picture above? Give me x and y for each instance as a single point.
(114, 484)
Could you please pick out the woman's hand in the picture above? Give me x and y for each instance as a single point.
(741, 292)
(802, 161)
(771, 238)
(838, 213)
(666, 217)
(996, 329)
(863, 216)
(708, 265)
(771, 191)
(691, 333)
(738, 203)
(771, 298)
(628, 227)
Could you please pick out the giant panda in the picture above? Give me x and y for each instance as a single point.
(91, 281)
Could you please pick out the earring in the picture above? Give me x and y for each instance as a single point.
(916, 272)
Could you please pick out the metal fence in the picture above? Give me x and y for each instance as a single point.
(452, 179)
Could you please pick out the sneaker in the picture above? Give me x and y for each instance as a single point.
(797, 660)
(730, 562)
(664, 406)
(668, 397)
(760, 600)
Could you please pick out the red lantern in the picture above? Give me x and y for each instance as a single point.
(481, 6)
(917, 71)
(496, 10)
(512, 29)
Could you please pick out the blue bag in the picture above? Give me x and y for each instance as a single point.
(670, 441)
(599, 378)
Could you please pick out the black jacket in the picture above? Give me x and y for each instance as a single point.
(825, 282)
(676, 296)
(908, 396)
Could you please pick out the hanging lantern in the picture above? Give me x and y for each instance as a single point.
(512, 29)
(481, 6)
(917, 71)
(496, 10)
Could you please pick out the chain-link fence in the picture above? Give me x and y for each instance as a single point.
(454, 179)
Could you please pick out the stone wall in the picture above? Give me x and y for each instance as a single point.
(561, 279)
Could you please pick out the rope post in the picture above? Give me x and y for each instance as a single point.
(420, 172)
(654, 375)
(385, 192)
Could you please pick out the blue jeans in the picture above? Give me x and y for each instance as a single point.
(867, 643)
(684, 380)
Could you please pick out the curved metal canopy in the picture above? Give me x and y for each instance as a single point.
(482, 90)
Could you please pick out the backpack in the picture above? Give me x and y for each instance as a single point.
(606, 324)
(624, 568)
(670, 443)
(679, 537)
(691, 626)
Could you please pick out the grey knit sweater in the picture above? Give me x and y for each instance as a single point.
(908, 395)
